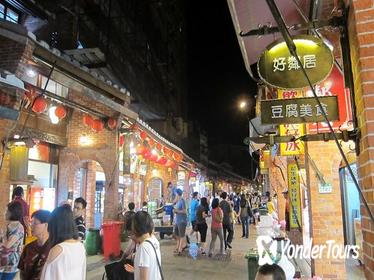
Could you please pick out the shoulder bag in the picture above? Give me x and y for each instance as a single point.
(158, 261)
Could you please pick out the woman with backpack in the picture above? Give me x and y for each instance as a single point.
(216, 227)
(245, 213)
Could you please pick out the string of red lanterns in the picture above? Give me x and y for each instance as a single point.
(149, 148)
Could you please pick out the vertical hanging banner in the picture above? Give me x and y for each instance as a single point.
(296, 130)
(294, 195)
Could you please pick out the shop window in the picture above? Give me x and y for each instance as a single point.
(53, 86)
(8, 14)
(42, 173)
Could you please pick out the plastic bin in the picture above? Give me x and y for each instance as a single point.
(92, 242)
(252, 261)
(111, 239)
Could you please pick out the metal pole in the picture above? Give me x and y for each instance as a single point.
(292, 48)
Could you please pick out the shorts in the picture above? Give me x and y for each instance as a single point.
(180, 229)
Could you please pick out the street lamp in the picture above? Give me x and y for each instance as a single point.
(242, 105)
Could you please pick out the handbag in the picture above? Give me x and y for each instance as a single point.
(249, 211)
(158, 261)
(116, 270)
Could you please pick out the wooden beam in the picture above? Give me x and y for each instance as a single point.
(308, 137)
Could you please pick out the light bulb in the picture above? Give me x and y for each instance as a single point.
(52, 115)
(30, 73)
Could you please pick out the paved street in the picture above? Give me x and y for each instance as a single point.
(185, 267)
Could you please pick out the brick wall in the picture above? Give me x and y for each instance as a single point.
(326, 209)
(361, 26)
(102, 149)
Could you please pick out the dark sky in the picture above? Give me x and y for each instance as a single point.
(216, 72)
(217, 80)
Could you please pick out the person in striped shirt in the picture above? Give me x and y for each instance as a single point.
(79, 208)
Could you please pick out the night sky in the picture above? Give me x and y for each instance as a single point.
(217, 77)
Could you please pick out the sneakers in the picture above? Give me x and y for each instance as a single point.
(229, 245)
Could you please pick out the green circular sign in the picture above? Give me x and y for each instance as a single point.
(278, 68)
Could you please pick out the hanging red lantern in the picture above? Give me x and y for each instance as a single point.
(151, 142)
(112, 123)
(159, 146)
(121, 140)
(40, 105)
(143, 135)
(147, 154)
(88, 120)
(97, 125)
(162, 160)
(60, 112)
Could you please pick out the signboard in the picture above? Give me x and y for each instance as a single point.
(278, 68)
(294, 195)
(298, 110)
(325, 188)
(333, 86)
(294, 147)
(296, 130)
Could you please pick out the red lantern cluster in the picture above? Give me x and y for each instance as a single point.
(96, 125)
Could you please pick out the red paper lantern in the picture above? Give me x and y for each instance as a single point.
(151, 142)
(121, 140)
(147, 154)
(143, 135)
(159, 146)
(88, 120)
(162, 160)
(112, 123)
(40, 105)
(60, 112)
(97, 125)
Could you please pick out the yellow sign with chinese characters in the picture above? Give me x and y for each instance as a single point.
(296, 130)
(294, 195)
(278, 68)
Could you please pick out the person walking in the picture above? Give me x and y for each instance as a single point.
(79, 207)
(35, 254)
(11, 246)
(202, 227)
(147, 261)
(216, 227)
(18, 196)
(129, 214)
(228, 231)
(180, 222)
(193, 207)
(244, 215)
(67, 258)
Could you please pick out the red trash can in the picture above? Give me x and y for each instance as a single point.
(111, 239)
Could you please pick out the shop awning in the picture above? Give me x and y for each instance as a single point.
(250, 15)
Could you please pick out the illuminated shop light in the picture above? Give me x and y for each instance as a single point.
(52, 115)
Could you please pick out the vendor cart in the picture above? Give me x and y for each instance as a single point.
(168, 230)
